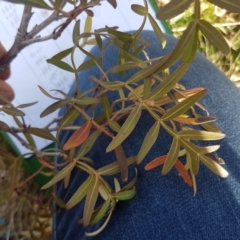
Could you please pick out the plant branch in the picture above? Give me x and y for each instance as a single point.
(24, 39)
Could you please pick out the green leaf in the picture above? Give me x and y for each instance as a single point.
(194, 163)
(102, 211)
(146, 72)
(26, 105)
(121, 35)
(88, 25)
(33, 3)
(192, 46)
(60, 175)
(208, 149)
(76, 32)
(63, 53)
(12, 111)
(124, 67)
(183, 42)
(140, 10)
(114, 126)
(213, 166)
(114, 168)
(88, 144)
(62, 93)
(172, 156)
(91, 200)
(47, 94)
(214, 36)
(53, 107)
(106, 106)
(99, 41)
(109, 85)
(85, 101)
(125, 195)
(183, 106)
(230, 5)
(60, 64)
(148, 141)
(43, 133)
(169, 82)
(88, 64)
(126, 128)
(157, 30)
(173, 8)
(80, 193)
(200, 135)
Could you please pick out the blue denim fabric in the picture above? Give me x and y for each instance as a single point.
(164, 206)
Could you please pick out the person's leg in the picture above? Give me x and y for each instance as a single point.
(164, 207)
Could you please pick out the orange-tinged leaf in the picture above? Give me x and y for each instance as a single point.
(156, 162)
(191, 121)
(194, 121)
(45, 163)
(78, 137)
(91, 200)
(183, 172)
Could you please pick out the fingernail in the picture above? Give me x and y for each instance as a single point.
(6, 96)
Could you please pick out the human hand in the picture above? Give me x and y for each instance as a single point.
(5, 89)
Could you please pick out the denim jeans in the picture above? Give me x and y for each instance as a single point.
(164, 206)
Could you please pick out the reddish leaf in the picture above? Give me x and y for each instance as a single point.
(183, 172)
(78, 137)
(156, 162)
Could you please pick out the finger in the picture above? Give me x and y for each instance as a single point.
(5, 74)
(6, 91)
